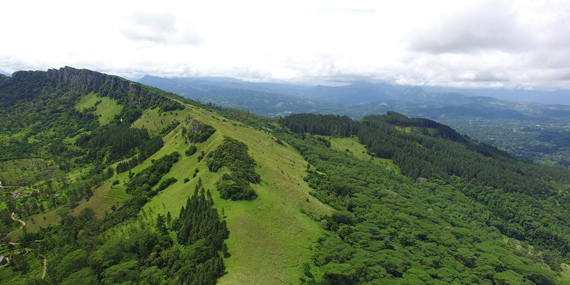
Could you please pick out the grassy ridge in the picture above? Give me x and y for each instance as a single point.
(270, 238)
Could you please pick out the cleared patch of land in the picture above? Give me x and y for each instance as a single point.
(154, 121)
(106, 108)
(351, 146)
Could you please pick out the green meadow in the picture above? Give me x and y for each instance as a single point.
(106, 108)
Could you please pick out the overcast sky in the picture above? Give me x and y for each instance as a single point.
(511, 44)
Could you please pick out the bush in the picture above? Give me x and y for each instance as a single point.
(191, 150)
(233, 154)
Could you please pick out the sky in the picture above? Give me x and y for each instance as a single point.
(501, 44)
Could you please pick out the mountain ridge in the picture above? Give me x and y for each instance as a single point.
(327, 199)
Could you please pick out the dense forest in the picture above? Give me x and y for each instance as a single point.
(487, 190)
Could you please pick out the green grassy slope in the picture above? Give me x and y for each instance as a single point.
(153, 121)
(106, 108)
(270, 238)
(353, 147)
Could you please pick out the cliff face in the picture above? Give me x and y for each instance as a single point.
(88, 80)
(76, 77)
(26, 85)
(81, 80)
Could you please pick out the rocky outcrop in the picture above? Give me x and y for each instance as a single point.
(88, 80)
(83, 81)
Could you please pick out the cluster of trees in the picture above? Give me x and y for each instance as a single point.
(112, 143)
(146, 149)
(141, 189)
(169, 128)
(326, 125)
(191, 150)
(199, 224)
(236, 184)
(141, 249)
(390, 229)
(6, 225)
(142, 182)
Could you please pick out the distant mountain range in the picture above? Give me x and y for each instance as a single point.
(362, 98)
(353, 93)
(537, 96)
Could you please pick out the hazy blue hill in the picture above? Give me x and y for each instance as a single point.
(414, 94)
(267, 99)
(353, 94)
(187, 86)
(544, 97)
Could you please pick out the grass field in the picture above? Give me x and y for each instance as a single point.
(106, 110)
(154, 122)
(270, 237)
(42, 220)
(353, 147)
(104, 197)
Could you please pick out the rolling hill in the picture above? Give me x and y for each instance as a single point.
(500, 118)
(118, 182)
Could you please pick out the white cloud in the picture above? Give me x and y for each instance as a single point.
(160, 28)
(456, 43)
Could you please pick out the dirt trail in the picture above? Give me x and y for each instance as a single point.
(14, 244)
(21, 222)
(45, 265)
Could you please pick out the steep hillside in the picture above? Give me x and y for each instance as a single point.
(464, 212)
(270, 236)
